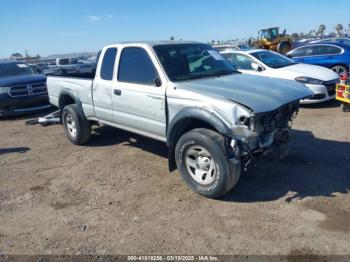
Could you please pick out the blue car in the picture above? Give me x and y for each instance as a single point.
(333, 55)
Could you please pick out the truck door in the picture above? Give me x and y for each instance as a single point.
(102, 90)
(139, 94)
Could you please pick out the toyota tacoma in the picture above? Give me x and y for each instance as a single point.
(213, 119)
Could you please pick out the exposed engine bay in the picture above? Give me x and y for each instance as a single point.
(265, 133)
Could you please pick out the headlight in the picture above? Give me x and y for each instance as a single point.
(248, 122)
(4, 90)
(309, 80)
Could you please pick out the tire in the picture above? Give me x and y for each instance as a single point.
(346, 107)
(76, 126)
(339, 69)
(284, 48)
(211, 176)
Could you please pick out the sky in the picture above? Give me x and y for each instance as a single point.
(62, 26)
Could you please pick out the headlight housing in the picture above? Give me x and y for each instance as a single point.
(248, 122)
(4, 90)
(309, 80)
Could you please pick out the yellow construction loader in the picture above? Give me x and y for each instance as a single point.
(271, 39)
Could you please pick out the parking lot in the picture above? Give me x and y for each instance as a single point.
(115, 195)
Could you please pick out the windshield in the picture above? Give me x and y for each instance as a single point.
(15, 69)
(272, 59)
(265, 34)
(43, 66)
(191, 61)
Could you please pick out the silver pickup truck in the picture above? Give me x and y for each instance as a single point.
(214, 119)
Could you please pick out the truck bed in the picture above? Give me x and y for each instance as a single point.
(81, 87)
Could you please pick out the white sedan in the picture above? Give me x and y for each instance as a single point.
(321, 81)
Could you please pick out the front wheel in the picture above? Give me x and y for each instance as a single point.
(284, 48)
(202, 158)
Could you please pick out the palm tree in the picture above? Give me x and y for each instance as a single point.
(339, 28)
(321, 30)
(295, 35)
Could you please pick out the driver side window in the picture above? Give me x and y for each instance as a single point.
(240, 61)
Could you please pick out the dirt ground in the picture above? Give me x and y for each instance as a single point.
(115, 195)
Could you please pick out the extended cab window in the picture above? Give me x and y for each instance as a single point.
(107, 66)
(136, 67)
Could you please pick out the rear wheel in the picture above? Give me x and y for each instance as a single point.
(339, 69)
(76, 126)
(202, 158)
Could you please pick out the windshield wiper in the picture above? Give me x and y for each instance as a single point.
(216, 73)
(224, 72)
(188, 77)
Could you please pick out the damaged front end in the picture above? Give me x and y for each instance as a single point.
(264, 133)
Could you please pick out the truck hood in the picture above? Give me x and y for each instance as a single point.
(261, 94)
(22, 80)
(318, 72)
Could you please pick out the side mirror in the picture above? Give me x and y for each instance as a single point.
(157, 82)
(257, 67)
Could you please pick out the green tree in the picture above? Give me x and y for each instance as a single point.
(339, 28)
(321, 30)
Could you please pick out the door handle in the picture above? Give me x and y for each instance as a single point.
(117, 92)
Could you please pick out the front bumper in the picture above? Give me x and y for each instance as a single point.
(322, 93)
(261, 144)
(10, 106)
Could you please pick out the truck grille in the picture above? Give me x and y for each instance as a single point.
(28, 90)
(279, 118)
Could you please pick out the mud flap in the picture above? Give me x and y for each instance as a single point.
(171, 158)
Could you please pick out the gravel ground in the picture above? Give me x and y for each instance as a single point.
(115, 195)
